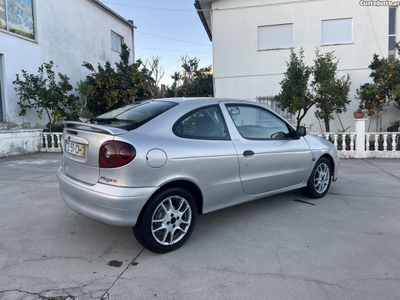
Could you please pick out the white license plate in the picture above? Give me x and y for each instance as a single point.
(75, 148)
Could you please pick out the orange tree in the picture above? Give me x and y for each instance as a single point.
(295, 95)
(115, 87)
(47, 95)
(331, 92)
(375, 97)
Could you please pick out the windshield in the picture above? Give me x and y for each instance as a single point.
(134, 115)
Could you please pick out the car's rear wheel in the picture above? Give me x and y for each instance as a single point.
(167, 221)
(320, 180)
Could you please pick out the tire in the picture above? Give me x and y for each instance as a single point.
(176, 211)
(319, 187)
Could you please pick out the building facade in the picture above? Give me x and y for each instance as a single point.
(252, 40)
(66, 32)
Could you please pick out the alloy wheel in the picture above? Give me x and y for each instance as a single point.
(321, 178)
(171, 220)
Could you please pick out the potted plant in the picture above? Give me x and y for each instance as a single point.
(358, 114)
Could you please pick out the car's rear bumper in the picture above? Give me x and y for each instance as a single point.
(112, 205)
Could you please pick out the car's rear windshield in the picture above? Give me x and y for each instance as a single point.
(134, 115)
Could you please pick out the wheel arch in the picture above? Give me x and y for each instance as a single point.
(185, 184)
(330, 158)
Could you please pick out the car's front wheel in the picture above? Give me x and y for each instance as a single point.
(320, 180)
(167, 221)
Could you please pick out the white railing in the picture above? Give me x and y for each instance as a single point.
(376, 145)
(382, 144)
(50, 141)
(344, 142)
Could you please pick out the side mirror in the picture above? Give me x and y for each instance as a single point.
(234, 111)
(302, 131)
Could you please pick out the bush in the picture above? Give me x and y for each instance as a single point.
(114, 88)
(394, 126)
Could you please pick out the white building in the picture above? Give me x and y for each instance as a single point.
(67, 32)
(252, 41)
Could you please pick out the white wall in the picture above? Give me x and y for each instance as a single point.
(68, 32)
(241, 71)
(17, 142)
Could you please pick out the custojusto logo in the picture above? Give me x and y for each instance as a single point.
(379, 3)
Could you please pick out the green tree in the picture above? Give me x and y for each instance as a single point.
(202, 83)
(44, 93)
(295, 95)
(84, 89)
(375, 97)
(194, 82)
(175, 89)
(114, 88)
(331, 93)
(189, 66)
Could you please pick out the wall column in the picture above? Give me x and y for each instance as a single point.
(360, 137)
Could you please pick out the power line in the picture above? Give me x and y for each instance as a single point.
(149, 7)
(171, 50)
(169, 38)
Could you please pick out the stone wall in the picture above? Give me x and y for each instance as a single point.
(19, 141)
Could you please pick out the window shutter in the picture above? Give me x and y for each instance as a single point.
(275, 37)
(338, 31)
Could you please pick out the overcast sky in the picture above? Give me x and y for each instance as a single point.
(175, 19)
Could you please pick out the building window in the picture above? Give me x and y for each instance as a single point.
(275, 37)
(338, 31)
(116, 41)
(392, 32)
(16, 16)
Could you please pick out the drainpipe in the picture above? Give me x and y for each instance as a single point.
(133, 39)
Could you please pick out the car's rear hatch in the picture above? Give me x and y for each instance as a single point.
(81, 143)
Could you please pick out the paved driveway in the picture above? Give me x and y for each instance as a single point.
(345, 246)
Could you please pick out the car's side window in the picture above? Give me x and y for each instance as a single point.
(254, 122)
(203, 123)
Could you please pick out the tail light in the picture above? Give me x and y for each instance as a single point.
(115, 154)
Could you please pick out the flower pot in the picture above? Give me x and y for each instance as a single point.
(358, 115)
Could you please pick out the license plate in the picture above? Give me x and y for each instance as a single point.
(75, 148)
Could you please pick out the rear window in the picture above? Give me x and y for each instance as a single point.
(134, 115)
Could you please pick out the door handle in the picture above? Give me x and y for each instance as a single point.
(248, 153)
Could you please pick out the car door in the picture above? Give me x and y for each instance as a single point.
(269, 157)
(207, 156)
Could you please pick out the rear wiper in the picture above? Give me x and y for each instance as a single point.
(92, 120)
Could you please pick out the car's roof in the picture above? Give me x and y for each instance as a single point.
(205, 100)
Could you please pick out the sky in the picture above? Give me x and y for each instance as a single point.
(173, 19)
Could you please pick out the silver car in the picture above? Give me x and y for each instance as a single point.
(157, 165)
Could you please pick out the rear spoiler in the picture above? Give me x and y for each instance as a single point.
(109, 130)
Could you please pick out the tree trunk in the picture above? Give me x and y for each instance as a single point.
(84, 104)
(48, 115)
(298, 122)
(327, 124)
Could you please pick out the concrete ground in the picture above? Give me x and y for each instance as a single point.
(344, 246)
